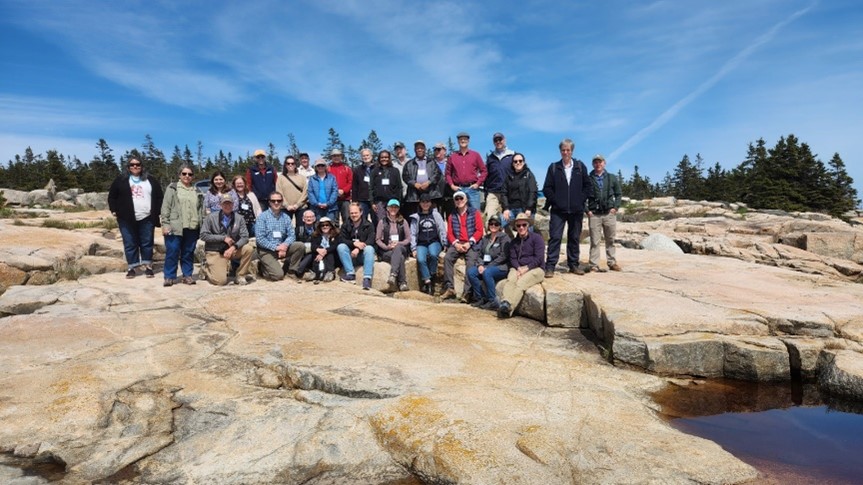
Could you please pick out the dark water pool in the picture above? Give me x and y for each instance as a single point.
(789, 432)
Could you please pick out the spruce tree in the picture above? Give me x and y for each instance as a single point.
(333, 142)
(841, 187)
(293, 149)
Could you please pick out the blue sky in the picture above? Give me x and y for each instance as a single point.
(642, 82)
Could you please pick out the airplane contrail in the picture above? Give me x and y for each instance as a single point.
(729, 66)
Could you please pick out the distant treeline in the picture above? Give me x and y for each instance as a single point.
(787, 176)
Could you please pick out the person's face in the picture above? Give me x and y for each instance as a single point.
(355, 213)
(420, 150)
(400, 152)
(276, 202)
(291, 165)
(219, 181)
(227, 207)
(393, 210)
(518, 163)
(566, 152)
(261, 160)
(135, 167)
(336, 158)
(521, 228)
(463, 142)
(367, 157)
(499, 142)
(440, 153)
(325, 227)
(320, 168)
(425, 205)
(493, 227)
(186, 176)
(309, 218)
(599, 165)
(384, 159)
(240, 185)
(460, 201)
(304, 161)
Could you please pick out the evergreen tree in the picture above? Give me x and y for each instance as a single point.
(637, 187)
(199, 156)
(273, 156)
(373, 143)
(333, 142)
(352, 156)
(715, 186)
(154, 160)
(450, 146)
(687, 181)
(841, 187)
(293, 149)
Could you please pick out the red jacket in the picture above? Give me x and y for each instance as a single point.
(344, 179)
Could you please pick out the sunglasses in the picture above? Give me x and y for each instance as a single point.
(275, 201)
(134, 164)
(518, 161)
(521, 225)
(494, 223)
(260, 156)
(186, 174)
(459, 198)
(290, 164)
(497, 139)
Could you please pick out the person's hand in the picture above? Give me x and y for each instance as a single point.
(481, 269)
(282, 248)
(474, 186)
(414, 253)
(229, 241)
(355, 252)
(589, 214)
(528, 213)
(229, 253)
(506, 215)
(166, 229)
(613, 211)
(322, 252)
(522, 270)
(341, 192)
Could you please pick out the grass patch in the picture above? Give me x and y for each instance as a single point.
(6, 213)
(107, 223)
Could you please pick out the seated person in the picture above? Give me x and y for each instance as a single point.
(492, 265)
(320, 264)
(393, 241)
(464, 229)
(428, 236)
(274, 232)
(301, 246)
(526, 261)
(357, 238)
(226, 238)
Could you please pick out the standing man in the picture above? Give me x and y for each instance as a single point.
(305, 169)
(361, 191)
(567, 187)
(344, 179)
(274, 231)
(466, 171)
(499, 165)
(261, 178)
(226, 239)
(602, 213)
(421, 176)
(445, 207)
(401, 159)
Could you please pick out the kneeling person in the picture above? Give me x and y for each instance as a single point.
(526, 261)
(226, 239)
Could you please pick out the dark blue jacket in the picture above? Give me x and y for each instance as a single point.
(498, 170)
(561, 196)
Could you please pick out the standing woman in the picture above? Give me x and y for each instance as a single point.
(182, 213)
(294, 189)
(213, 197)
(245, 205)
(135, 199)
(386, 185)
(519, 191)
(323, 192)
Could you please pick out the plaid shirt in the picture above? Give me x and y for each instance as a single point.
(267, 224)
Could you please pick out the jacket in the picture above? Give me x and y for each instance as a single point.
(392, 189)
(213, 233)
(120, 199)
(382, 235)
(561, 196)
(607, 198)
(361, 190)
(498, 170)
(519, 191)
(409, 176)
(498, 252)
(170, 214)
(365, 232)
(262, 184)
(290, 193)
(331, 191)
(344, 179)
(529, 251)
(440, 227)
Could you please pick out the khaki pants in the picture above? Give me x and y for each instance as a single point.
(492, 207)
(217, 265)
(602, 227)
(515, 286)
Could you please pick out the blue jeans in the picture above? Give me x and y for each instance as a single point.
(137, 241)
(331, 212)
(180, 248)
(473, 197)
(368, 255)
(490, 276)
(425, 255)
(572, 220)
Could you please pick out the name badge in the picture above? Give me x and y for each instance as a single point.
(487, 258)
(244, 206)
(394, 237)
(495, 245)
(385, 181)
(277, 234)
(421, 172)
(308, 246)
(366, 179)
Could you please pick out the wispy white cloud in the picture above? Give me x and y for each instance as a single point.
(726, 68)
(45, 113)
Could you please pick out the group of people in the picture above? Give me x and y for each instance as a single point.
(307, 219)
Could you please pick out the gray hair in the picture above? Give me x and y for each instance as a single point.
(567, 142)
(184, 167)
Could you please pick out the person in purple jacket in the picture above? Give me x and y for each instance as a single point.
(526, 262)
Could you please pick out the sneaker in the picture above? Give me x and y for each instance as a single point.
(148, 272)
(391, 281)
(250, 278)
(309, 276)
(350, 278)
(403, 287)
(479, 303)
(367, 283)
(242, 281)
(504, 310)
(576, 270)
(329, 276)
(447, 294)
(189, 280)
(168, 282)
(549, 273)
(130, 274)
(491, 305)
(615, 267)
